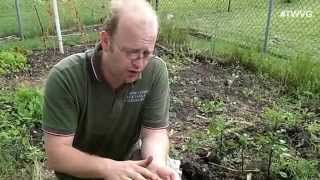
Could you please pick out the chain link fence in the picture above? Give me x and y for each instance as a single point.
(37, 16)
(293, 24)
(285, 28)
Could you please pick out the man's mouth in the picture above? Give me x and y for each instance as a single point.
(133, 73)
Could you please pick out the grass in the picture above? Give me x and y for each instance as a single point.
(89, 12)
(37, 42)
(245, 23)
(299, 72)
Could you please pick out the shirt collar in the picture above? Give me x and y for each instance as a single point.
(95, 63)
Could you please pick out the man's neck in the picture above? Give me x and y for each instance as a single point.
(108, 77)
(113, 82)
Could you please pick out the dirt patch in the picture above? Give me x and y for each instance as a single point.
(243, 94)
(39, 62)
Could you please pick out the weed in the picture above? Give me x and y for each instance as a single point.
(29, 104)
(11, 61)
(303, 72)
(314, 131)
(277, 117)
(20, 111)
(199, 140)
(289, 167)
(173, 36)
(274, 120)
(243, 142)
(216, 129)
(174, 63)
(211, 106)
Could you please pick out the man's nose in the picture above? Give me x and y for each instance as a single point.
(138, 62)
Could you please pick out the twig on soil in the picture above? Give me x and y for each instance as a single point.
(201, 117)
(232, 130)
(235, 170)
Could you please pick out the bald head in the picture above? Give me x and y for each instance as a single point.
(134, 13)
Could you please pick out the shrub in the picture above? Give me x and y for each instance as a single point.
(11, 62)
(20, 113)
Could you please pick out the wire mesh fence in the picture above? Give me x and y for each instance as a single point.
(293, 29)
(37, 15)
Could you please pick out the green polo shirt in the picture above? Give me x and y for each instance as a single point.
(105, 123)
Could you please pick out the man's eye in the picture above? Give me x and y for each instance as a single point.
(133, 51)
(146, 53)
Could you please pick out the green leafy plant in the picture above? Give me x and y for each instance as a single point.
(28, 102)
(216, 129)
(213, 136)
(274, 119)
(314, 131)
(314, 128)
(279, 151)
(277, 116)
(287, 166)
(272, 147)
(199, 140)
(211, 106)
(243, 142)
(20, 112)
(11, 62)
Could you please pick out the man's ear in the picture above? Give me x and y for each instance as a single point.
(105, 39)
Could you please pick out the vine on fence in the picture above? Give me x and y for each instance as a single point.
(75, 13)
(44, 34)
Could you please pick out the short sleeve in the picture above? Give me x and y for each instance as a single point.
(156, 105)
(59, 108)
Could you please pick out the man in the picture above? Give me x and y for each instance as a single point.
(100, 104)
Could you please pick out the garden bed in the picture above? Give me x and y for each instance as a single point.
(225, 122)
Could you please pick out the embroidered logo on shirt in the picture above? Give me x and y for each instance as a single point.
(136, 96)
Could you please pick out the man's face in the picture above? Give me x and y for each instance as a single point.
(129, 51)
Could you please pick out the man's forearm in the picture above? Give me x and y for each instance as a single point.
(155, 144)
(77, 163)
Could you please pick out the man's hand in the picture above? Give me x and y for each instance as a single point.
(155, 142)
(126, 170)
(164, 172)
